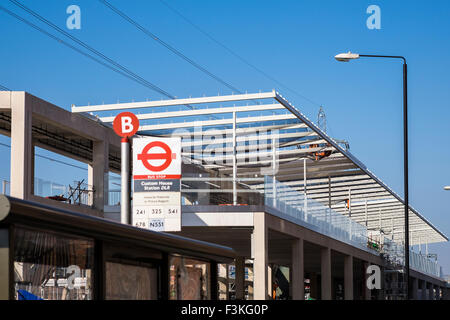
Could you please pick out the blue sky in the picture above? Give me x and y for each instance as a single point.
(294, 42)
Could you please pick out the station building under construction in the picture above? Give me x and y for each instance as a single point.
(272, 208)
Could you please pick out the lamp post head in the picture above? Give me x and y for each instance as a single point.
(346, 57)
(447, 188)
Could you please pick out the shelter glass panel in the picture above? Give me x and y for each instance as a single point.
(130, 282)
(189, 279)
(51, 266)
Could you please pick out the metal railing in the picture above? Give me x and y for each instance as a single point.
(114, 197)
(53, 190)
(394, 253)
(293, 205)
(286, 202)
(77, 194)
(421, 263)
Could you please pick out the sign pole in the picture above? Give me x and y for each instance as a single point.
(125, 124)
(125, 181)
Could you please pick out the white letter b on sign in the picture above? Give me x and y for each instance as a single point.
(374, 280)
(127, 127)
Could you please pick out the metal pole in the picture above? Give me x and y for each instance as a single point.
(392, 229)
(329, 202)
(329, 192)
(405, 156)
(405, 159)
(125, 181)
(379, 222)
(274, 181)
(420, 246)
(234, 160)
(305, 202)
(365, 211)
(350, 213)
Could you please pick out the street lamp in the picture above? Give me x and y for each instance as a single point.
(447, 188)
(346, 57)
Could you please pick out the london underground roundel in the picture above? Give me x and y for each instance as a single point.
(126, 124)
(157, 158)
(146, 157)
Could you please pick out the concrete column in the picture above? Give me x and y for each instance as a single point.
(298, 270)
(98, 173)
(423, 285)
(430, 292)
(381, 295)
(325, 267)
(91, 184)
(436, 292)
(348, 278)
(366, 290)
(240, 277)
(446, 293)
(314, 286)
(227, 281)
(33, 159)
(414, 288)
(260, 259)
(22, 164)
(269, 281)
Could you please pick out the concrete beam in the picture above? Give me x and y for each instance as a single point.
(76, 123)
